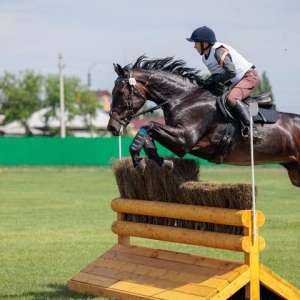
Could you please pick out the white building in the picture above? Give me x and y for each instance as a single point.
(77, 125)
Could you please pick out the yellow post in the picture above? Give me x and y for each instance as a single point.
(252, 290)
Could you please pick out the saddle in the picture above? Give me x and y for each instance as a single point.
(267, 114)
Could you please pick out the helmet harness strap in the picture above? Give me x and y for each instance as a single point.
(204, 48)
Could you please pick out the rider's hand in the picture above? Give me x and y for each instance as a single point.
(208, 82)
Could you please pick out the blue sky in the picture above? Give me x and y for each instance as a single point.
(33, 33)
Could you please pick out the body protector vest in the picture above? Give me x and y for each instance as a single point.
(240, 63)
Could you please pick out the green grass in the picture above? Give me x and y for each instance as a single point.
(55, 221)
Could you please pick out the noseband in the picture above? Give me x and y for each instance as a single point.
(131, 83)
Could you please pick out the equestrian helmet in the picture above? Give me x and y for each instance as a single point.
(203, 34)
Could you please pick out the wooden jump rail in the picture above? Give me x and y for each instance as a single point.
(185, 236)
(138, 273)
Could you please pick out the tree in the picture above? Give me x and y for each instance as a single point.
(264, 86)
(20, 97)
(78, 100)
(88, 104)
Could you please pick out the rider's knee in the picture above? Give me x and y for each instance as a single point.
(231, 100)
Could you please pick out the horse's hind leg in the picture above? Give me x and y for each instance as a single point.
(293, 169)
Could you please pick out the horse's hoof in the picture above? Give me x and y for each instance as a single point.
(167, 165)
(140, 167)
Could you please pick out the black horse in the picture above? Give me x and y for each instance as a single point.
(194, 123)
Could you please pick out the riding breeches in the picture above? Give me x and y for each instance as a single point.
(244, 87)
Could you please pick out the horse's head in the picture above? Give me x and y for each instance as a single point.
(128, 96)
(159, 80)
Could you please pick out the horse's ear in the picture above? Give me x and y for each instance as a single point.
(119, 70)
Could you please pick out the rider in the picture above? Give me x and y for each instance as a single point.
(227, 66)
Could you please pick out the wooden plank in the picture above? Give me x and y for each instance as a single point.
(167, 255)
(163, 275)
(155, 275)
(144, 281)
(138, 285)
(187, 271)
(169, 265)
(91, 279)
(233, 275)
(233, 287)
(116, 270)
(174, 295)
(278, 278)
(106, 292)
(166, 278)
(136, 288)
(197, 290)
(181, 235)
(124, 275)
(130, 271)
(137, 271)
(190, 212)
(277, 284)
(217, 283)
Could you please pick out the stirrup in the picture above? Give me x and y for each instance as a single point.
(246, 134)
(256, 136)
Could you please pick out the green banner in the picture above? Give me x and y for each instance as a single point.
(49, 151)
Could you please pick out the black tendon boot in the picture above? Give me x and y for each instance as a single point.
(135, 149)
(151, 152)
(244, 116)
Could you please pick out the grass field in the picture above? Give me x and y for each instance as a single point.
(55, 221)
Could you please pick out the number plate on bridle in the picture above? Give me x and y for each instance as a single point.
(132, 81)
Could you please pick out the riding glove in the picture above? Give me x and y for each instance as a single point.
(208, 82)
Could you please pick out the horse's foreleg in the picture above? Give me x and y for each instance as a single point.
(177, 139)
(135, 149)
(143, 140)
(152, 153)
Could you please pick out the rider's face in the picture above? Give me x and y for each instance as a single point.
(197, 46)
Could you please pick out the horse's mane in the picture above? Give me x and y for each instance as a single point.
(168, 64)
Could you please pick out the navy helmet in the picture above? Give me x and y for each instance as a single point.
(203, 34)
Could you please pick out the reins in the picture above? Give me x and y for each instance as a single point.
(143, 112)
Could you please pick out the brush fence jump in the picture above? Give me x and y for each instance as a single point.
(138, 273)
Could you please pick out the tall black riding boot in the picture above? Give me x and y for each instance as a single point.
(244, 116)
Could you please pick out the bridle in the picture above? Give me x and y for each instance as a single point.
(131, 83)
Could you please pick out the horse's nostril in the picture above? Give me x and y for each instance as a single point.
(112, 129)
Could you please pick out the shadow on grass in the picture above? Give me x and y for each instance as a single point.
(58, 292)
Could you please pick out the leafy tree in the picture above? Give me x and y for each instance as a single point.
(88, 104)
(78, 100)
(20, 97)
